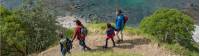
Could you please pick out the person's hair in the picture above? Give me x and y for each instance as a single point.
(78, 22)
(109, 25)
(61, 34)
(120, 11)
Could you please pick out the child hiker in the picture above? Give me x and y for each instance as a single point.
(65, 44)
(80, 33)
(110, 33)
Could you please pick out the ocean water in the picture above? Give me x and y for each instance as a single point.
(105, 9)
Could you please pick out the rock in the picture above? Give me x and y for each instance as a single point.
(195, 35)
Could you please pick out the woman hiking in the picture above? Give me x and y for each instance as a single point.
(110, 33)
(80, 33)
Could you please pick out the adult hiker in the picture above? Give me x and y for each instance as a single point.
(65, 44)
(119, 23)
(80, 33)
(110, 33)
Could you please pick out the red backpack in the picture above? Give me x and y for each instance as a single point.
(125, 19)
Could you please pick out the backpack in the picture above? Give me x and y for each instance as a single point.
(84, 31)
(125, 19)
(68, 44)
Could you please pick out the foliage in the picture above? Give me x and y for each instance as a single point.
(171, 26)
(178, 49)
(168, 24)
(13, 34)
(69, 33)
(26, 30)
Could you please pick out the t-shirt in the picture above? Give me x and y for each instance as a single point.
(110, 32)
(78, 32)
(119, 22)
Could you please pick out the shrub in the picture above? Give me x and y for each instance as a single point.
(69, 33)
(26, 30)
(168, 25)
(13, 34)
(171, 26)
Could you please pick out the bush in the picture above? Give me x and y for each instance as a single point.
(171, 26)
(13, 34)
(168, 25)
(26, 30)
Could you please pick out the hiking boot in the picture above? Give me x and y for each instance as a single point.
(114, 46)
(105, 47)
(89, 49)
(118, 41)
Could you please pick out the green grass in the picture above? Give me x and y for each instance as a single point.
(175, 48)
(97, 27)
(178, 49)
(132, 31)
(101, 27)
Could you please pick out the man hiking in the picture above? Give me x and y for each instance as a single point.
(65, 44)
(80, 33)
(120, 23)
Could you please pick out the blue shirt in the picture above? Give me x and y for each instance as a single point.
(119, 22)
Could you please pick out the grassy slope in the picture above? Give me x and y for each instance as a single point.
(175, 48)
(100, 27)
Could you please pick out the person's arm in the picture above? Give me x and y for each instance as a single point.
(75, 34)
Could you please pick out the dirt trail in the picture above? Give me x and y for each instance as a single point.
(131, 44)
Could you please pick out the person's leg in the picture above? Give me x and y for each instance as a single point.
(82, 43)
(106, 44)
(117, 33)
(63, 52)
(113, 42)
(121, 32)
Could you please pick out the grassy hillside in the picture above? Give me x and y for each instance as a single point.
(175, 48)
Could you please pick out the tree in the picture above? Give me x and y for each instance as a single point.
(27, 29)
(13, 34)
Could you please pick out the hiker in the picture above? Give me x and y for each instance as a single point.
(65, 44)
(80, 33)
(120, 23)
(110, 33)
